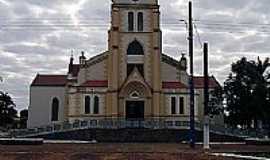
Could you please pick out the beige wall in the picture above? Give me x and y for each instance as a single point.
(181, 93)
(169, 73)
(76, 101)
(95, 71)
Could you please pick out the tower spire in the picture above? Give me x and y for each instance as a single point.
(82, 58)
(70, 66)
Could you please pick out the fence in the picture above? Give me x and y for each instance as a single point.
(122, 123)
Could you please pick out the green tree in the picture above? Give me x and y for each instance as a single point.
(7, 110)
(23, 118)
(216, 102)
(246, 91)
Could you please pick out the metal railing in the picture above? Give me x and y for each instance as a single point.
(122, 123)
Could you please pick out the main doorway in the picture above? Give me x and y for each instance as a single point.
(135, 110)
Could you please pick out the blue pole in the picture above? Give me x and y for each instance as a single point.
(191, 81)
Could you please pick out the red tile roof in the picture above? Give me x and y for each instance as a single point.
(173, 85)
(61, 80)
(199, 82)
(95, 83)
(49, 80)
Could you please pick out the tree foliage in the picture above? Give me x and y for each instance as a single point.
(215, 102)
(23, 118)
(7, 110)
(247, 92)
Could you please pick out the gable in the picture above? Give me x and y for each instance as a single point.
(95, 69)
(169, 71)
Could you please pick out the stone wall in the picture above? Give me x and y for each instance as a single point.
(136, 135)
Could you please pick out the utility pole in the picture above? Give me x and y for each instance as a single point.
(191, 82)
(206, 98)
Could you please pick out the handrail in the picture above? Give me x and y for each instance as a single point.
(123, 123)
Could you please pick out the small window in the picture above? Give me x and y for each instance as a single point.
(140, 21)
(173, 105)
(87, 105)
(55, 109)
(130, 68)
(130, 21)
(96, 105)
(181, 105)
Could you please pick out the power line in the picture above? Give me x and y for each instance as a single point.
(65, 24)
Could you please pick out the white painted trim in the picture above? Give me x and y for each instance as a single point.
(135, 59)
(184, 103)
(171, 104)
(83, 104)
(177, 104)
(92, 102)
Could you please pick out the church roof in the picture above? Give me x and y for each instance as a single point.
(61, 80)
(169, 60)
(199, 82)
(50, 80)
(173, 85)
(95, 83)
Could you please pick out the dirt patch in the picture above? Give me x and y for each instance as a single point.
(120, 151)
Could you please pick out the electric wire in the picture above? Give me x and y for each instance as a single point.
(100, 23)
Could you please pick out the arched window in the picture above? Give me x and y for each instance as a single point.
(130, 21)
(55, 109)
(135, 48)
(87, 104)
(173, 105)
(96, 105)
(181, 105)
(140, 21)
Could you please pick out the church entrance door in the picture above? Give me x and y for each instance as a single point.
(135, 110)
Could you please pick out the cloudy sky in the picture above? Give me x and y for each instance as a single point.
(37, 36)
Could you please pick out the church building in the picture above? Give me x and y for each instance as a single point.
(131, 80)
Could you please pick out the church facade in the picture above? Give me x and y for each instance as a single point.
(132, 80)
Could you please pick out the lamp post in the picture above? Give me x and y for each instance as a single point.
(206, 98)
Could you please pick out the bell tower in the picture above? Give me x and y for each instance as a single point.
(134, 42)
